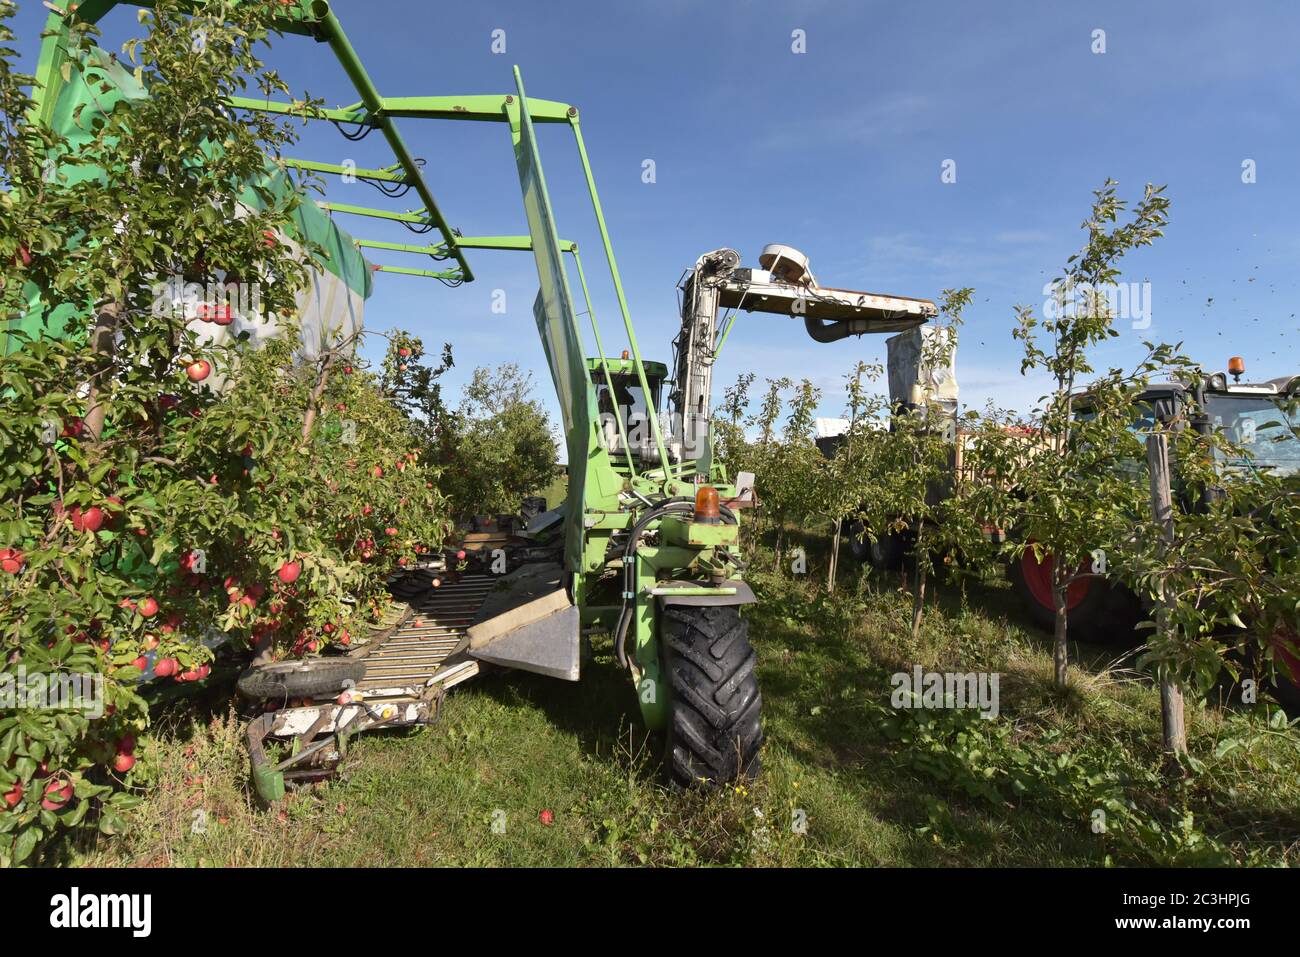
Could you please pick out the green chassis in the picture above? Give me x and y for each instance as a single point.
(605, 496)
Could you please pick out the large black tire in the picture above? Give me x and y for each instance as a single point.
(300, 679)
(715, 729)
(884, 554)
(1107, 614)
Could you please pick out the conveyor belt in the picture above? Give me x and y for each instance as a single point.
(400, 665)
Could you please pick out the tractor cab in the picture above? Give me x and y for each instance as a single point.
(1261, 418)
(624, 411)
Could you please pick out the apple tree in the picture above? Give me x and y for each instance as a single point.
(163, 492)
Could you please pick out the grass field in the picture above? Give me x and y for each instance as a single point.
(847, 780)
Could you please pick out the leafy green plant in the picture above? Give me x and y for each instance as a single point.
(1075, 500)
(497, 445)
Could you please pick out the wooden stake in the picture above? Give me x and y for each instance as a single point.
(835, 554)
(1162, 510)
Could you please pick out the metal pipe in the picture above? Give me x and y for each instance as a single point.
(826, 330)
(604, 362)
(618, 290)
(333, 33)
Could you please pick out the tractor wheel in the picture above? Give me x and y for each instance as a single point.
(884, 554)
(299, 679)
(1096, 610)
(714, 728)
(1286, 687)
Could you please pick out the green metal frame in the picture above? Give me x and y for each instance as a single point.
(611, 496)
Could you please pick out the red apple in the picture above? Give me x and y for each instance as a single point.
(289, 572)
(403, 352)
(57, 794)
(377, 471)
(141, 662)
(73, 428)
(149, 607)
(390, 531)
(91, 520)
(547, 817)
(14, 794)
(126, 744)
(166, 667)
(219, 313)
(113, 515)
(12, 560)
(198, 370)
(123, 763)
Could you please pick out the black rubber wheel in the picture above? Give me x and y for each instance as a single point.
(884, 554)
(1106, 614)
(715, 727)
(1286, 693)
(300, 679)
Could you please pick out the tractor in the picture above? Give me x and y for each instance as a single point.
(1258, 416)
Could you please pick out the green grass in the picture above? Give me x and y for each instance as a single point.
(874, 786)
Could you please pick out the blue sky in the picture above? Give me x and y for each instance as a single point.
(838, 151)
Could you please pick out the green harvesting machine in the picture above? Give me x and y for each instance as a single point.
(644, 547)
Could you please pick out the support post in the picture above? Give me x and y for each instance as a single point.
(1173, 728)
(835, 554)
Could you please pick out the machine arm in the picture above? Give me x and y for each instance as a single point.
(783, 285)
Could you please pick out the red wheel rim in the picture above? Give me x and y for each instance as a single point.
(1285, 648)
(1038, 579)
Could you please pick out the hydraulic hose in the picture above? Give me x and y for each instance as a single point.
(658, 510)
